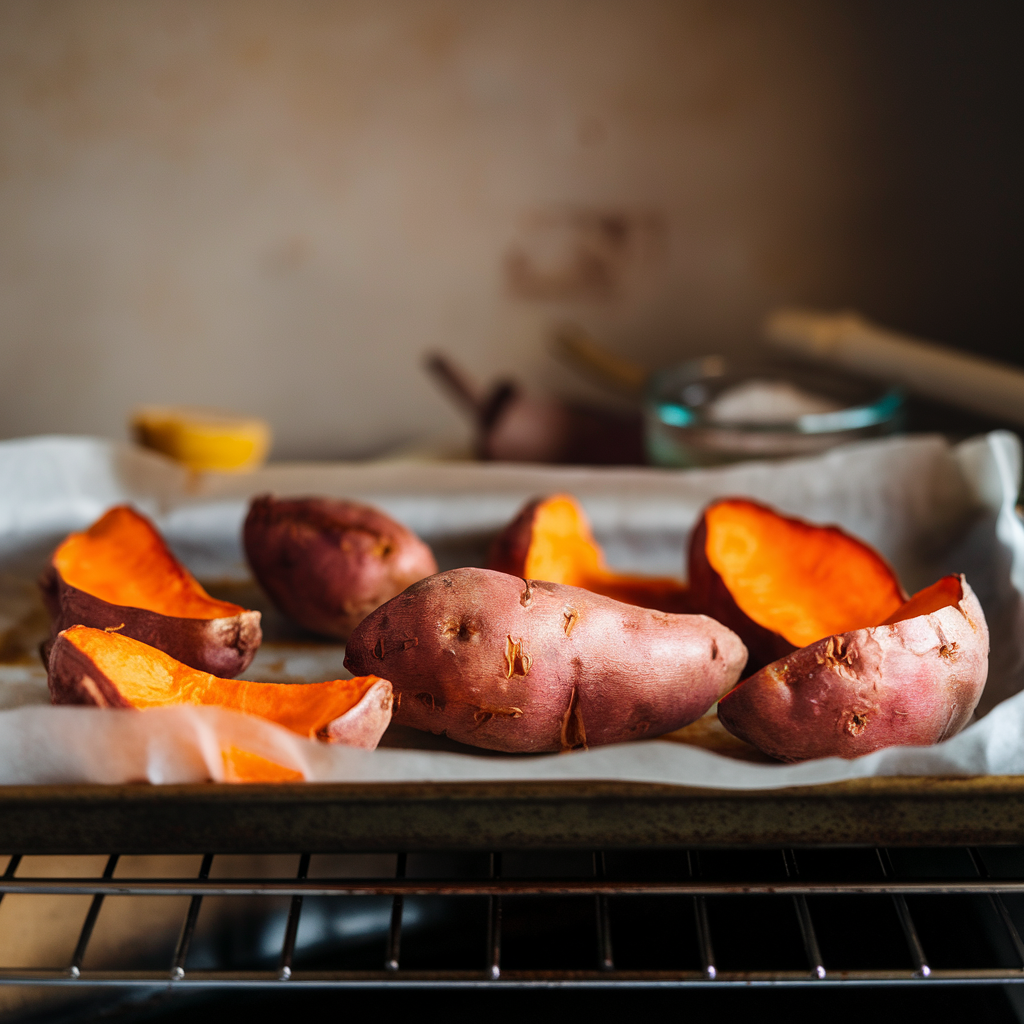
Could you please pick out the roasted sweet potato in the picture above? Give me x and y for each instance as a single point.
(95, 666)
(527, 665)
(327, 564)
(120, 574)
(782, 583)
(913, 680)
(550, 539)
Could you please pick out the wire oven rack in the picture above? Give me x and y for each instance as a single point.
(669, 918)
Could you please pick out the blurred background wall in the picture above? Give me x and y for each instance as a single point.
(278, 207)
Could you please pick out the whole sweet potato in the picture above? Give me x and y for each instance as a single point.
(915, 680)
(524, 665)
(119, 574)
(327, 564)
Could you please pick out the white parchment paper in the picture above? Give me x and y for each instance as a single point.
(930, 508)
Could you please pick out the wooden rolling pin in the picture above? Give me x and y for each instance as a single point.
(847, 339)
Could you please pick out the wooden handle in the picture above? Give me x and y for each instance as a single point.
(456, 384)
(848, 339)
(576, 348)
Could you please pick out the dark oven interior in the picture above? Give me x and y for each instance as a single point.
(151, 937)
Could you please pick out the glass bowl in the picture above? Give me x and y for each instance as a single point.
(715, 410)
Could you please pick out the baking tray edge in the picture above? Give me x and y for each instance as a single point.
(336, 817)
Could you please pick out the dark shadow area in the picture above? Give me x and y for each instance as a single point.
(939, 248)
(946, 1003)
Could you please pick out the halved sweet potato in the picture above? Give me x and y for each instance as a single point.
(782, 583)
(120, 574)
(913, 680)
(327, 564)
(550, 539)
(527, 665)
(94, 666)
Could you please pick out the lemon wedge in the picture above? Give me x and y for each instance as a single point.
(203, 439)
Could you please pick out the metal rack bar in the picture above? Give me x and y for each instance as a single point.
(189, 926)
(922, 969)
(508, 979)
(700, 915)
(292, 927)
(803, 915)
(605, 959)
(496, 887)
(90, 921)
(395, 928)
(603, 974)
(494, 924)
(998, 905)
(10, 870)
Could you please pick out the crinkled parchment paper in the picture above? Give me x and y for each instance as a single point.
(929, 507)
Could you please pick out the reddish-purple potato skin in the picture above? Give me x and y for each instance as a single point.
(223, 647)
(911, 683)
(365, 723)
(73, 678)
(327, 564)
(510, 549)
(527, 666)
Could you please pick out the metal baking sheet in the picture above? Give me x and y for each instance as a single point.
(329, 817)
(468, 813)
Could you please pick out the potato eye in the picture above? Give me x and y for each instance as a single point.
(468, 628)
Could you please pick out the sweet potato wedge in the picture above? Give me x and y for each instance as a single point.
(781, 583)
(94, 666)
(327, 564)
(550, 539)
(526, 665)
(913, 680)
(120, 574)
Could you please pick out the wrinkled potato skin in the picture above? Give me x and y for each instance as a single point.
(224, 647)
(912, 683)
(522, 665)
(365, 723)
(327, 564)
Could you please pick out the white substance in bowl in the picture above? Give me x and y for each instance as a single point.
(767, 401)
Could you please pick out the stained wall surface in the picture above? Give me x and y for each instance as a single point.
(278, 207)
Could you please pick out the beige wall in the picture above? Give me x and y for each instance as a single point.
(278, 207)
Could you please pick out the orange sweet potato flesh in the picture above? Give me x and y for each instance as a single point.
(913, 680)
(947, 591)
(120, 573)
(782, 583)
(550, 539)
(122, 560)
(245, 766)
(95, 666)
